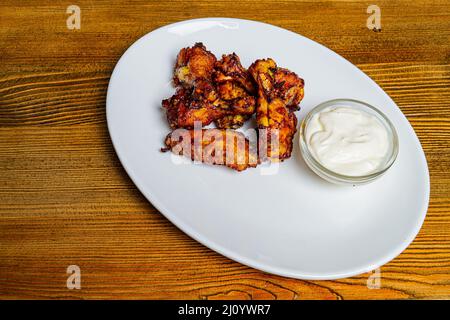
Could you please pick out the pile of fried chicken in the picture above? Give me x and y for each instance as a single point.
(223, 92)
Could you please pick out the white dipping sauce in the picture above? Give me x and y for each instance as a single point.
(347, 140)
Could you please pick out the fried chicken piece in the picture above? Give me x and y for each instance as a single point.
(278, 82)
(277, 129)
(200, 103)
(230, 69)
(289, 87)
(213, 146)
(230, 91)
(234, 85)
(232, 121)
(192, 64)
(240, 110)
(279, 92)
(225, 100)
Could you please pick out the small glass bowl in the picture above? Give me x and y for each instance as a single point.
(338, 178)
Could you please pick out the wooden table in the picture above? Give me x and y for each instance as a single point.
(65, 198)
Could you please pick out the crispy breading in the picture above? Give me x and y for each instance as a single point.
(200, 103)
(279, 92)
(226, 93)
(213, 146)
(208, 95)
(230, 90)
(192, 64)
(234, 85)
(277, 127)
(278, 82)
(232, 121)
(229, 68)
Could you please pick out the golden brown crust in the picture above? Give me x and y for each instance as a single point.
(278, 82)
(234, 85)
(226, 93)
(279, 92)
(193, 63)
(229, 68)
(289, 87)
(213, 146)
(209, 91)
(200, 103)
(232, 121)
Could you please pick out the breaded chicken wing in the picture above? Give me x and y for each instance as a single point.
(208, 95)
(277, 127)
(279, 92)
(213, 146)
(230, 69)
(232, 121)
(278, 82)
(234, 85)
(200, 103)
(193, 63)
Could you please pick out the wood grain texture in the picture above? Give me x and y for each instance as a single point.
(65, 199)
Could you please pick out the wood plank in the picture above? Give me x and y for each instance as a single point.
(65, 199)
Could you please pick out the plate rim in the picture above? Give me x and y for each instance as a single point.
(285, 272)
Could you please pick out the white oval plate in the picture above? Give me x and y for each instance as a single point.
(290, 223)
